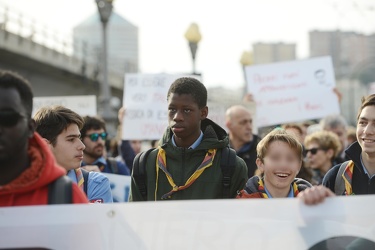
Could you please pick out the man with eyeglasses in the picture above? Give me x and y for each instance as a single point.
(59, 127)
(94, 136)
(28, 168)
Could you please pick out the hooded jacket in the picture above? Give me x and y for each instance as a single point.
(252, 189)
(183, 162)
(31, 186)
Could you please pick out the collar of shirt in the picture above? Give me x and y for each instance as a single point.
(290, 195)
(194, 145)
(72, 175)
(364, 168)
(245, 147)
(101, 160)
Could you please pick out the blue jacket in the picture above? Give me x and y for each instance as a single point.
(98, 187)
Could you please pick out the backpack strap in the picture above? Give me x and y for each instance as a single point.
(60, 191)
(139, 171)
(112, 164)
(228, 162)
(85, 175)
(339, 182)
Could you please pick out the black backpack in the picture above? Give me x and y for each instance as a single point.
(60, 191)
(112, 164)
(228, 163)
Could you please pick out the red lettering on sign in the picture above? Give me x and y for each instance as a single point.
(312, 106)
(264, 79)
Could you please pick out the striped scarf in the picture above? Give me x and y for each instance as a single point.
(161, 164)
(79, 176)
(348, 177)
(263, 192)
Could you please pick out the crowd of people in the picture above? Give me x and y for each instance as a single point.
(194, 159)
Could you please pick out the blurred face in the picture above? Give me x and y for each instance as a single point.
(318, 158)
(280, 166)
(341, 133)
(366, 130)
(95, 144)
(68, 150)
(184, 117)
(241, 125)
(15, 127)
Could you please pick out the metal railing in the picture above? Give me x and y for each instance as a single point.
(26, 27)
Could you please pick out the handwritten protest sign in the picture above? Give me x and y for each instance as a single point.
(145, 99)
(204, 224)
(293, 91)
(83, 105)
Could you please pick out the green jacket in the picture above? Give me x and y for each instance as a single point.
(182, 163)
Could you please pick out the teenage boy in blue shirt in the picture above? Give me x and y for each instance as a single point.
(59, 127)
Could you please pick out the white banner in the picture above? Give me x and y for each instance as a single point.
(293, 91)
(145, 99)
(120, 186)
(205, 224)
(83, 105)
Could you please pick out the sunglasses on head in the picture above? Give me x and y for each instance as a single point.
(10, 118)
(95, 136)
(312, 150)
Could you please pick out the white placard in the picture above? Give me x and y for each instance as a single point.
(293, 91)
(83, 105)
(145, 99)
(120, 186)
(205, 224)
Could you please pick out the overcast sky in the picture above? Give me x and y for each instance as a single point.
(227, 27)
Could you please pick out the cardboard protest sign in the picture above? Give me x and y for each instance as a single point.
(293, 91)
(83, 105)
(145, 100)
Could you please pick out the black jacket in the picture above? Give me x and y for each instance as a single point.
(250, 155)
(361, 183)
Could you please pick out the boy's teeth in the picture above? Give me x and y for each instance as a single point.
(282, 175)
(368, 140)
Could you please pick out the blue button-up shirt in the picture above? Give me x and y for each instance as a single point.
(194, 145)
(98, 186)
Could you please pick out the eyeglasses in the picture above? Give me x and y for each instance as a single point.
(312, 150)
(10, 118)
(95, 136)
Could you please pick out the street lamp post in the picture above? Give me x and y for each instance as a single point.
(246, 60)
(105, 11)
(193, 36)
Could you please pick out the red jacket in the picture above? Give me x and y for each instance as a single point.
(31, 187)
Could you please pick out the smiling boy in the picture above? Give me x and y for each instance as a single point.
(279, 159)
(186, 165)
(356, 176)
